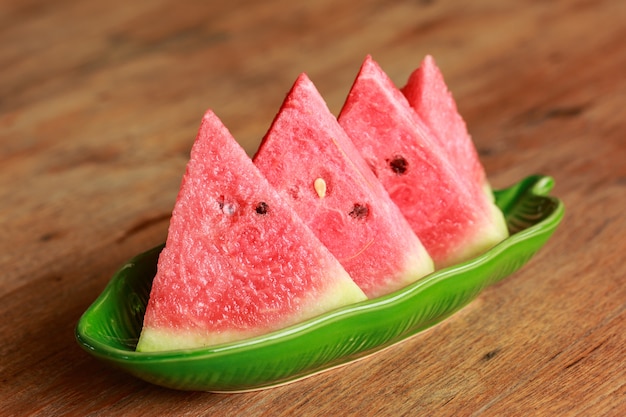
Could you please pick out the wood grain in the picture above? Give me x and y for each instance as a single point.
(99, 105)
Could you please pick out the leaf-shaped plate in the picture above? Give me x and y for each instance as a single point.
(110, 327)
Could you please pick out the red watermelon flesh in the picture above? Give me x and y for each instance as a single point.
(238, 262)
(428, 94)
(453, 220)
(310, 160)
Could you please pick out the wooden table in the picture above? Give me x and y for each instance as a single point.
(100, 103)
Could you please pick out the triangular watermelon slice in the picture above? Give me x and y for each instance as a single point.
(311, 161)
(453, 220)
(238, 262)
(428, 94)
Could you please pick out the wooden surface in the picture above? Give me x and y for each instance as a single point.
(99, 105)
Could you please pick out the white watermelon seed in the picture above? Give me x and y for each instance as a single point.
(228, 209)
(320, 187)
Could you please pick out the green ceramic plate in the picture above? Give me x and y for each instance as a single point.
(109, 329)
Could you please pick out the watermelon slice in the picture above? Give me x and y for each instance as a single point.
(428, 94)
(313, 164)
(238, 261)
(452, 219)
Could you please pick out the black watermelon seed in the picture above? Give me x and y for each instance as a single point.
(359, 211)
(399, 165)
(262, 208)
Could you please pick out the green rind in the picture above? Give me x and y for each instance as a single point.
(110, 327)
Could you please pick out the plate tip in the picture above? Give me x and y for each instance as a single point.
(543, 184)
